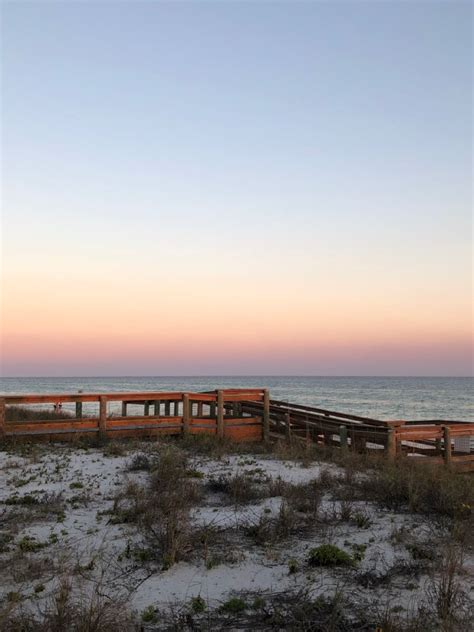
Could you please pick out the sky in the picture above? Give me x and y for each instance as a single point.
(236, 188)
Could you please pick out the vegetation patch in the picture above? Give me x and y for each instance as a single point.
(329, 555)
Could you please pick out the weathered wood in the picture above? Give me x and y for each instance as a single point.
(2, 418)
(103, 416)
(391, 445)
(288, 427)
(343, 437)
(186, 413)
(447, 445)
(266, 415)
(303, 423)
(220, 414)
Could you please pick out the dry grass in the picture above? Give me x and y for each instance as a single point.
(72, 610)
(162, 509)
(23, 413)
(421, 489)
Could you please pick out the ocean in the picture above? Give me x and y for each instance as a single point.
(410, 398)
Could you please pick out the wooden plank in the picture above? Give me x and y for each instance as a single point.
(343, 437)
(202, 397)
(252, 433)
(266, 414)
(143, 421)
(447, 445)
(71, 426)
(220, 414)
(15, 400)
(367, 420)
(186, 413)
(457, 458)
(2, 417)
(288, 427)
(243, 397)
(103, 416)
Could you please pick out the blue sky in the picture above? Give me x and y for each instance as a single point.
(324, 147)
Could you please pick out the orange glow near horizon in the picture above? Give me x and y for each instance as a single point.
(241, 326)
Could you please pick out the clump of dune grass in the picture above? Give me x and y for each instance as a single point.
(162, 508)
(23, 413)
(419, 488)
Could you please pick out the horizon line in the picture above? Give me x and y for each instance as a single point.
(222, 375)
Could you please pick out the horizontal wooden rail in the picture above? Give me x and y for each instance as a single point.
(241, 414)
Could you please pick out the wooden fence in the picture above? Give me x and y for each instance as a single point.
(427, 442)
(242, 415)
(163, 413)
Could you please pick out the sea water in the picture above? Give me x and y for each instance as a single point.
(410, 398)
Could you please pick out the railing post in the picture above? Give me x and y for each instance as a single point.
(3, 429)
(212, 410)
(447, 445)
(185, 413)
(220, 414)
(343, 437)
(266, 414)
(167, 408)
(124, 409)
(103, 416)
(288, 427)
(78, 410)
(391, 448)
(146, 409)
(156, 408)
(199, 410)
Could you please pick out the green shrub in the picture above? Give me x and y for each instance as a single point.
(293, 566)
(198, 604)
(234, 605)
(329, 555)
(148, 615)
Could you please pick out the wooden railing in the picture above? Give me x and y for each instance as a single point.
(163, 413)
(431, 442)
(240, 414)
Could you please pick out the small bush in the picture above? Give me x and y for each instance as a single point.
(29, 544)
(241, 488)
(293, 566)
(149, 615)
(304, 497)
(329, 555)
(198, 604)
(234, 605)
(140, 462)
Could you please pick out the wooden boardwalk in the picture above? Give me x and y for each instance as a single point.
(238, 414)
